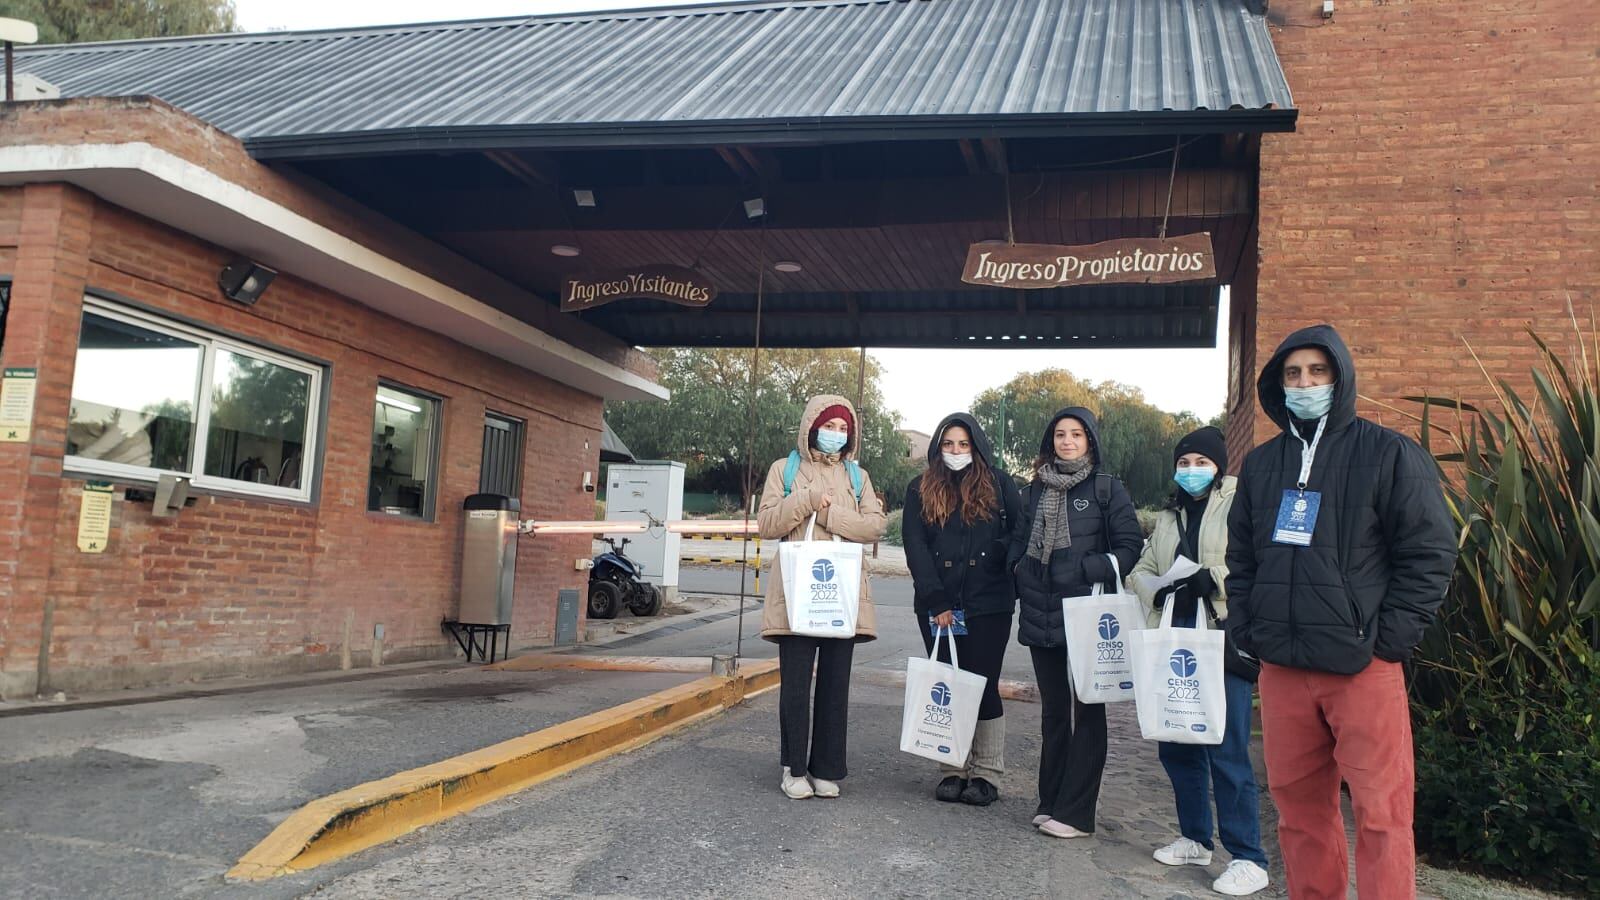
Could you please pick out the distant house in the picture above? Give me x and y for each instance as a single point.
(917, 445)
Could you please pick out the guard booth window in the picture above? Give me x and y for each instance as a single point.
(502, 456)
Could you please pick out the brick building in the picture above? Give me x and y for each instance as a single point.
(1440, 190)
(1432, 181)
(298, 543)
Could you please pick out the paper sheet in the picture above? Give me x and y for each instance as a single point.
(1150, 585)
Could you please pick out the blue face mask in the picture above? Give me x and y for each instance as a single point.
(1195, 479)
(1309, 404)
(832, 441)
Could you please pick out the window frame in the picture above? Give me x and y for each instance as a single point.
(519, 428)
(431, 484)
(210, 342)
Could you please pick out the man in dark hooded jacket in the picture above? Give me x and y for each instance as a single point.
(1340, 550)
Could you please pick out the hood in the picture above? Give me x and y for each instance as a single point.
(1269, 387)
(980, 441)
(814, 408)
(1047, 448)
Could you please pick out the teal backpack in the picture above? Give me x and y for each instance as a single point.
(792, 468)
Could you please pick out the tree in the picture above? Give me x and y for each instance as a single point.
(706, 424)
(1136, 438)
(77, 21)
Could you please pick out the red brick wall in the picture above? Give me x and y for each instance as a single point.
(235, 585)
(1441, 187)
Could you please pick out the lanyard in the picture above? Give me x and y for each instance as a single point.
(1309, 451)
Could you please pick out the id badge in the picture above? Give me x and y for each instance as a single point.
(1297, 518)
(958, 626)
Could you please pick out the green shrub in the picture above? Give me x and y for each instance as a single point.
(1507, 686)
(892, 535)
(1525, 805)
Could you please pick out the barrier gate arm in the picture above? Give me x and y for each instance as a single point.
(679, 526)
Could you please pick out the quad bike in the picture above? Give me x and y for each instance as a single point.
(615, 581)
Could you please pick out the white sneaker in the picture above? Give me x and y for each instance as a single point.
(1183, 852)
(1242, 879)
(796, 787)
(1040, 819)
(824, 788)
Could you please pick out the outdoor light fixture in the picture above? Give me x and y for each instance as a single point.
(787, 265)
(15, 31)
(1327, 9)
(244, 281)
(565, 250)
(583, 197)
(755, 207)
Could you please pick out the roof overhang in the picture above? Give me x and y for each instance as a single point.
(169, 189)
(832, 130)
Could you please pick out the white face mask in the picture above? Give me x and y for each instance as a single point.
(955, 462)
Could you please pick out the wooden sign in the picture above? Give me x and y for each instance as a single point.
(674, 284)
(1185, 257)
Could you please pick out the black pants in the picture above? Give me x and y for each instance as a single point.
(1074, 754)
(796, 654)
(982, 650)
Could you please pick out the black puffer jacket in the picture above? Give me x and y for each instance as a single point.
(1096, 532)
(1381, 551)
(955, 565)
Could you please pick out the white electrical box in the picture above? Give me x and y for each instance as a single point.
(636, 488)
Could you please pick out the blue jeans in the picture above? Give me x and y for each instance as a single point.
(1195, 770)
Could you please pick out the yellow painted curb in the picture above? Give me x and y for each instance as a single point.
(333, 827)
(534, 662)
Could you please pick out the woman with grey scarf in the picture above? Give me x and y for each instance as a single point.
(1075, 519)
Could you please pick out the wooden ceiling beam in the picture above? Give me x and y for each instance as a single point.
(970, 155)
(995, 150)
(736, 162)
(521, 169)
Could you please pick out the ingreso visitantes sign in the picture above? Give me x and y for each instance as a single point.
(674, 284)
(1186, 257)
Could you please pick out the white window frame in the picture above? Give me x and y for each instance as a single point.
(210, 343)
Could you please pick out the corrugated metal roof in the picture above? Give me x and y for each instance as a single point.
(756, 71)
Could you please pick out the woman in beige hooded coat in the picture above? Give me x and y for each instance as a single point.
(814, 753)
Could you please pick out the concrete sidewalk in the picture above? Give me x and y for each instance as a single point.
(161, 798)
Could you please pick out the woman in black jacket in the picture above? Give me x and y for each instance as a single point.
(1075, 518)
(956, 533)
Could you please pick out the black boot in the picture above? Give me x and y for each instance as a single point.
(950, 789)
(979, 792)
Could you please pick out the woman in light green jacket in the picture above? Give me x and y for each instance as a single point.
(1195, 525)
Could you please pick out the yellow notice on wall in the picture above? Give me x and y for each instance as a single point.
(94, 517)
(17, 388)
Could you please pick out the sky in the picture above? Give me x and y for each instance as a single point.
(922, 385)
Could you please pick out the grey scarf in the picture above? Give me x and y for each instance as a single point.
(1050, 528)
